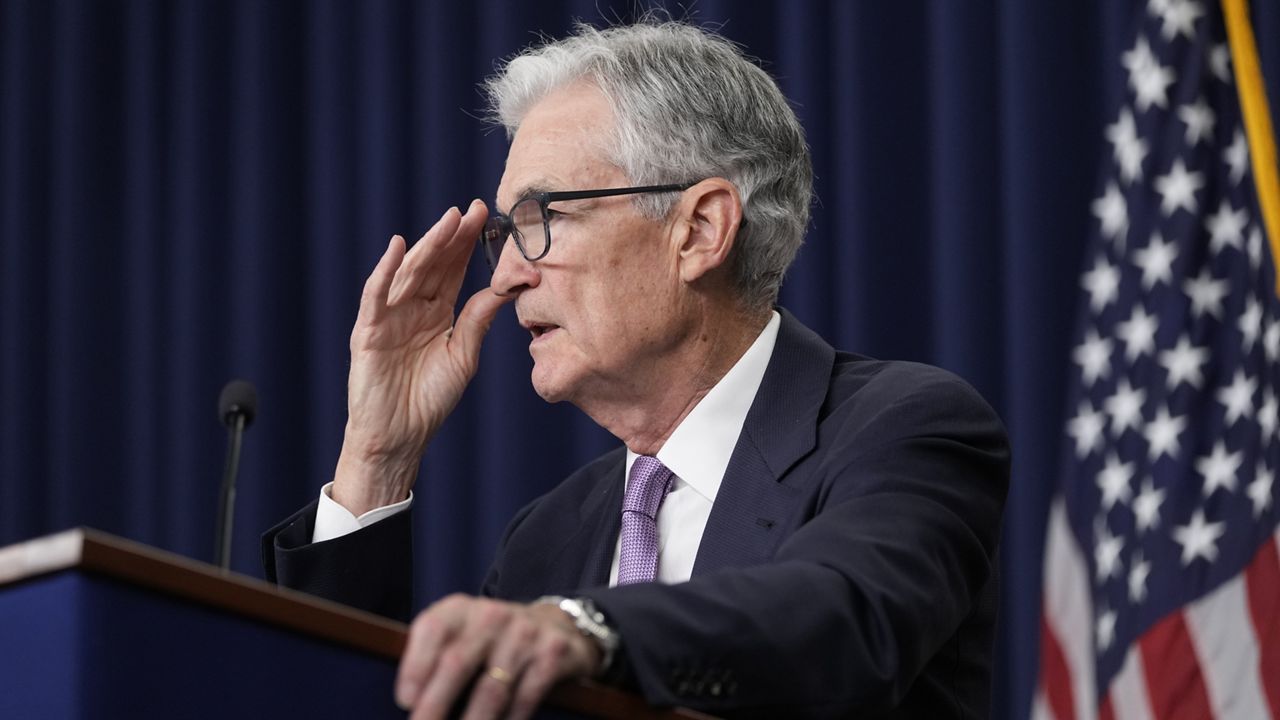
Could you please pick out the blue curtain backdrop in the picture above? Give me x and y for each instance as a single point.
(193, 191)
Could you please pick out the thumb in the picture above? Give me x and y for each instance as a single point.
(474, 321)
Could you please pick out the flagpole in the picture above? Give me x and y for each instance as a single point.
(1257, 118)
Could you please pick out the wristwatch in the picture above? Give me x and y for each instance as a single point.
(589, 621)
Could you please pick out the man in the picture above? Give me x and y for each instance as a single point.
(826, 524)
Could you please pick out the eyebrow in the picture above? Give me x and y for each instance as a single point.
(536, 187)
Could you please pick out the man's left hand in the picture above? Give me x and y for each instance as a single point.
(515, 653)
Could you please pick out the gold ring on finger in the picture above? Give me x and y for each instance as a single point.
(499, 674)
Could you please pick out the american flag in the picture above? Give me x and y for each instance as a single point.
(1162, 566)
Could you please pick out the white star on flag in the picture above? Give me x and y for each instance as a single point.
(1206, 293)
(1148, 79)
(1237, 398)
(1199, 119)
(1220, 62)
(1259, 490)
(1113, 213)
(1146, 507)
(1198, 538)
(1086, 427)
(1255, 248)
(1179, 18)
(1138, 333)
(1106, 628)
(1162, 434)
(1226, 227)
(1183, 363)
(1129, 149)
(1113, 481)
(1139, 569)
(1125, 407)
(1107, 553)
(1094, 358)
(1268, 415)
(1219, 469)
(1236, 156)
(1250, 324)
(1156, 261)
(1271, 340)
(1177, 189)
(1102, 283)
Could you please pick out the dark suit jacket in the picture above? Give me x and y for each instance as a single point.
(848, 566)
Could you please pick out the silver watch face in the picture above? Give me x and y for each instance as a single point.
(573, 606)
(589, 621)
(588, 609)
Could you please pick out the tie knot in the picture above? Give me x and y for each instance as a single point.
(647, 486)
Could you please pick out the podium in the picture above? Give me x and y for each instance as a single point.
(95, 626)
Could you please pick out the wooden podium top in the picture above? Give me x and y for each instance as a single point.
(144, 566)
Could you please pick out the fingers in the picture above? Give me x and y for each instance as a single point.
(459, 249)
(511, 655)
(428, 634)
(459, 664)
(545, 666)
(425, 257)
(496, 686)
(373, 299)
(437, 264)
(447, 646)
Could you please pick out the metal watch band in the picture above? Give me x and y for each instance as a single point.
(591, 623)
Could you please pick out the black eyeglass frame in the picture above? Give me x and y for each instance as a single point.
(500, 226)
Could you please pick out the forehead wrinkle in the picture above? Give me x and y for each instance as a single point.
(552, 138)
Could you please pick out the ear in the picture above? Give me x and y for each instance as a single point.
(710, 214)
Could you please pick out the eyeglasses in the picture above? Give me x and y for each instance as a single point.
(529, 222)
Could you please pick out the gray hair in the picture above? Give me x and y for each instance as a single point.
(689, 105)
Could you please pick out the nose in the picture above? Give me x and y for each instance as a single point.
(513, 274)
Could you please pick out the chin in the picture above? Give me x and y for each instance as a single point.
(549, 387)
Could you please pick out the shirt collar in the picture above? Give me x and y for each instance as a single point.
(699, 449)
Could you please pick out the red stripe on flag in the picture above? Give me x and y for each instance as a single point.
(1174, 678)
(1106, 712)
(1262, 578)
(1055, 678)
(1173, 674)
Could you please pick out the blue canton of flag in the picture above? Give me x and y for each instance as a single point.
(1172, 449)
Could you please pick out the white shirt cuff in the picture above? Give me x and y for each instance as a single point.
(333, 520)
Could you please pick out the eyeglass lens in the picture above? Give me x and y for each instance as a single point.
(525, 223)
(530, 230)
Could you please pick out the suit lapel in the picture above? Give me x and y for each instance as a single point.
(600, 522)
(780, 429)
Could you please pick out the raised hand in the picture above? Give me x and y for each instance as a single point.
(411, 358)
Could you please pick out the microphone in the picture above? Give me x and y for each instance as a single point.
(237, 406)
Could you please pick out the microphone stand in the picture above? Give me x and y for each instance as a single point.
(227, 497)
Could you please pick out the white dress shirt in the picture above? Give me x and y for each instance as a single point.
(698, 452)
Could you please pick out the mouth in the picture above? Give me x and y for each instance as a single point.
(540, 330)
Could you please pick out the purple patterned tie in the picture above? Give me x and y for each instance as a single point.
(646, 489)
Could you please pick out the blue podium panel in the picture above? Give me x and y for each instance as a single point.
(77, 645)
(96, 627)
